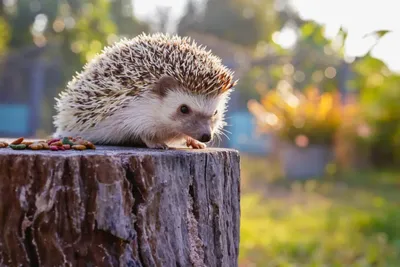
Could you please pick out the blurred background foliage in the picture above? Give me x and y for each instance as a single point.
(348, 217)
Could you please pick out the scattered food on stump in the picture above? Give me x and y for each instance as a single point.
(79, 147)
(27, 143)
(57, 144)
(18, 141)
(3, 144)
(18, 147)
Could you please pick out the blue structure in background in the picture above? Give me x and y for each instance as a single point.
(24, 76)
(14, 120)
(243, 135)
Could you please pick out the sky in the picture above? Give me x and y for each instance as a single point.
(359, 17)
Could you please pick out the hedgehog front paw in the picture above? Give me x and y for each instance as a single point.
(195, 144)
(161, 146)
(155, 145)
(158, 146)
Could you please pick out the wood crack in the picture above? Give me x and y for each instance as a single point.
(196, 244)
(138, 200)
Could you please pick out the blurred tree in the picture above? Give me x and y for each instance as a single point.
(189, 20)
(94, 14)
(82, 27)
(243, 22)
(70, 32)
(4, 30)
(380, 96)
(127, 24)
(163, 18)
(4, 35)
(247, 23)
(314, 61)
(311, 61)
(21, 15)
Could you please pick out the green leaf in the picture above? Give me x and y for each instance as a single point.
(307, 29)
(343, 33)
(378, 34)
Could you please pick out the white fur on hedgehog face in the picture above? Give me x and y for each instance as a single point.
(193, 115)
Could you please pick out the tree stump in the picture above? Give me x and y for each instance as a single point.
(119, 206)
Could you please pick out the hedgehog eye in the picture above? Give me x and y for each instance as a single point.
(184, 109)
(215, 113)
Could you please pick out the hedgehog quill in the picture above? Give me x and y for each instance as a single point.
(153, 90)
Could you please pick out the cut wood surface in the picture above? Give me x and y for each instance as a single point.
(119, 206)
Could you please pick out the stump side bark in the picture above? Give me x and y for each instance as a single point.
(119, 207)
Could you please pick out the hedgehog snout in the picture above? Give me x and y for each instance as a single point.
(205, 138)
(204, 134)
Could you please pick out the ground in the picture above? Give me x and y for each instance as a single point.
(348, 219)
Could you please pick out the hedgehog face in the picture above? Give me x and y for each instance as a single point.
(197, 116)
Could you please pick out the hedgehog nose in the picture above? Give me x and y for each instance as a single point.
(205, 138)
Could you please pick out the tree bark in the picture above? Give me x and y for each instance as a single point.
(117, 206)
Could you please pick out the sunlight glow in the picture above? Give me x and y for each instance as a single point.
(40, 23)
(286, 38)
(292, 100)
(359, 17)
(271, 119)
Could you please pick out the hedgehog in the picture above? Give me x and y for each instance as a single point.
(154, 90)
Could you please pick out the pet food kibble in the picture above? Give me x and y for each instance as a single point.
(27, 143)
(57, 143)
(49, 142)
(90, 145)
(67, 147)
(54, 148)
(45, 145)
(3, 145)
(34, 146)
(79, 147)
(67, 141)
(18, 141)
(18, 147)
(80, 142)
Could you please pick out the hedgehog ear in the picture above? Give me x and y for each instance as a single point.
(164, 84)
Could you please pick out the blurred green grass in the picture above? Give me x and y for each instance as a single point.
(350, 219)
